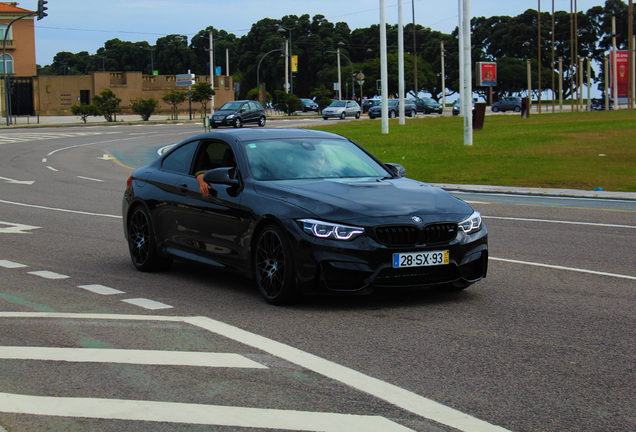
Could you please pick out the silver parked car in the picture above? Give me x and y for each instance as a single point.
(341, 109)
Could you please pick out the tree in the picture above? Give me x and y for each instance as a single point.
(202, 92)
(84, 111)
(108, 104)
(287, 102)
(144, 107)
(322, 96)
(175, 98)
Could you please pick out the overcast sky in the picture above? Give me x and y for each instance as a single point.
(85, 25)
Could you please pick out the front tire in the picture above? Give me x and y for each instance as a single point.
(274, 266)
(261, 121)
(238, 123)
(142, 244)
(342, 116)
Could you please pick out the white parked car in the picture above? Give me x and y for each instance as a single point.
(341, 109)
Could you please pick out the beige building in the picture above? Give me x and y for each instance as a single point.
(54, 95)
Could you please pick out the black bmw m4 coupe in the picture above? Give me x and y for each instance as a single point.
(300, 212)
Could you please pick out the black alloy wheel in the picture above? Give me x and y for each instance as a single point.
(141, 242)
(274, 267)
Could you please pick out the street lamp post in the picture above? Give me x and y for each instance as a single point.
(339, 53)
(258, 70)
(283, 29)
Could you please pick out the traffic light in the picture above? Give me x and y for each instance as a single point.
(41, 8)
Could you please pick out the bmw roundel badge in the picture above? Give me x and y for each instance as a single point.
(416, 219)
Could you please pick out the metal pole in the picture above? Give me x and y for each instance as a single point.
(384, 69)
(443, 80)
(607, 81)
(417, 90)
(560, 84)
(339, 76)
(589, 84)
(287, 66)
(211, 72)
(614, 66)
(553, 63)
(466, 63)
(539, 53)
(401, 63)
(630, 35)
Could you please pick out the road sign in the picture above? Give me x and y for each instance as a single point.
(188, 76)
(185, 82)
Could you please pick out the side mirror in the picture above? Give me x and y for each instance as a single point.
(224, 175)
(396, 169)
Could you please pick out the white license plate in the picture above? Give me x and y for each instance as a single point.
(420, 259)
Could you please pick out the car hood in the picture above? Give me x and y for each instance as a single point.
(224, 112)
(386, 201)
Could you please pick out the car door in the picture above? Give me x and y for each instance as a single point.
(210, 228)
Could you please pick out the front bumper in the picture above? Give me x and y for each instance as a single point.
(364, 265)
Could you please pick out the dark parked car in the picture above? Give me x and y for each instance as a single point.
(368, 103)
(511, 103)
(309, 105)
(457, 107)
(394, 109)
(428, 105)
(300, 211)
(238, 113)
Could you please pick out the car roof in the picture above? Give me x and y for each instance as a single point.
(252, 134)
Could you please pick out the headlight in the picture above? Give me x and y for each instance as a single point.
(472, 224)
(231, 116)
(329, 230)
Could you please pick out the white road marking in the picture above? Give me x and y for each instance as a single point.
(145, 357)
(48, 274)
(60, 209)
(195, 414)
(399, 397)
(21, 182)
(90, 178)
(11, 264)
(15, 228)
(51, 168)
(561, 222)
(557, 267)
(147, 304)
(101, 289)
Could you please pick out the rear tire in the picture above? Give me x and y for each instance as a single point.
(495, 109)
(142, 244)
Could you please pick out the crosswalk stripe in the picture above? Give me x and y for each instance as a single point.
(184, 413)
(146, 357)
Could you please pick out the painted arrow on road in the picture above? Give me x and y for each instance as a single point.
(14, 228)
(13, 181)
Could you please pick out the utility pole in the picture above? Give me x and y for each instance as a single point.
(384, 69)
(401, 63)
(465, 64)
(211, 72)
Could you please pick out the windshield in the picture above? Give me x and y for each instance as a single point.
(287, 159)
(231, 106)
(338, 103)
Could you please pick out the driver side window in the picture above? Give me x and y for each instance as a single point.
(180, 160)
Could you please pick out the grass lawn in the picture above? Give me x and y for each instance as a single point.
(569, 150)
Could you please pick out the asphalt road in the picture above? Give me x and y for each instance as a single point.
(545, 343)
